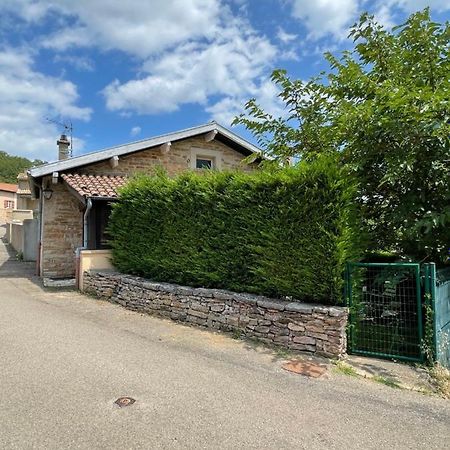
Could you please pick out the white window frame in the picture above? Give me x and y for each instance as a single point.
(200, 153)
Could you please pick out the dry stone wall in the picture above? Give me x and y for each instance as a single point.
(293, 325)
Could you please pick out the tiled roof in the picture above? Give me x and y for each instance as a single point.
(8, 187)
(92, 186)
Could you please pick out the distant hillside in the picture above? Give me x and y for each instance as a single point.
(11, 166)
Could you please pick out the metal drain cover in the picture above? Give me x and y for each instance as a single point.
(121, 402)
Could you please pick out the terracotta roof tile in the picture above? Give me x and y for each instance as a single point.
(92, 186)
(8, 187)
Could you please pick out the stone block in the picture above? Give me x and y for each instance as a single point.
(223, 295)
(196, 306)
(307, 340)
(321, 336)
(202, 292)
(271, 304)
(302, 347)
(279, 331)
(303, 308)
(199, 314)
(262, 329)
(281, 339)
(233, 321)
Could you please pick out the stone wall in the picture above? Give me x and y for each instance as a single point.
(62, 232)
(293, 325)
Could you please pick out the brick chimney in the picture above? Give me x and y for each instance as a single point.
(63, 147)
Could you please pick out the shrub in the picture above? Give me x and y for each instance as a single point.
(279, 233)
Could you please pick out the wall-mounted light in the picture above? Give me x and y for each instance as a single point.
(47, 192)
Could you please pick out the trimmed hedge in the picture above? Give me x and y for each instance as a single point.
(278, 233)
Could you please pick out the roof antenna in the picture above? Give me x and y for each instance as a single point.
(67, 129)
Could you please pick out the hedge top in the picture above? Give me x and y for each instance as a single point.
(282, 233)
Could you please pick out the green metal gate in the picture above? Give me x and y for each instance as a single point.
(437, 297)
(386, 315)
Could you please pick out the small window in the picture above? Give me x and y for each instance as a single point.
(9, 204)
(204, 163)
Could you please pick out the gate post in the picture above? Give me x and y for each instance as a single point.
(432, 269)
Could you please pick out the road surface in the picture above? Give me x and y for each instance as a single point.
(65, 359)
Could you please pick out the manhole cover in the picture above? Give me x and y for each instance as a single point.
(124, 401)
(305, 368)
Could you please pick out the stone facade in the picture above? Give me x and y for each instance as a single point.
(177, 160)
(62, 222)
(293, 325)
(63, 213)
(7, 204)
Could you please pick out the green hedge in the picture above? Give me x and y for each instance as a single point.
(282, 233)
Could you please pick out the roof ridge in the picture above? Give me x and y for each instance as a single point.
(132, 147)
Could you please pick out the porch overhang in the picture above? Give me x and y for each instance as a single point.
(95, 187)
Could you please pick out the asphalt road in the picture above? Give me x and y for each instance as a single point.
(65, 358)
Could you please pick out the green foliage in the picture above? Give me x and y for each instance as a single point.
(428, 346)
(283, 232)
(11, 166)
(386, 381)
(384, 109)
(345, 369)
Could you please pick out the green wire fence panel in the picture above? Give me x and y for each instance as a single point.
(385, 310)
(441, 309)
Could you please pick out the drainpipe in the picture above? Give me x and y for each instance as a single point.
(39, 271)
(78, 275)
(85, 223)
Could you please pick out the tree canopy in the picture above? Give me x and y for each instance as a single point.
(383, 109)
(11, 166)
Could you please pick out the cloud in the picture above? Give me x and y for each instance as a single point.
(193, 73)
(28, 97)
(61, 40)
(187, 51)
(322, 17)
(285, 37)
(333, 18)
(81, 63)
(415, 5)
(135, 131)
(134, 27)
(266, 94)
(29, 10)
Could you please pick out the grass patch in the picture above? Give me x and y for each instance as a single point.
(284, 353)
(386, 381)
(441, 379)
(345, 369)
(237, 334)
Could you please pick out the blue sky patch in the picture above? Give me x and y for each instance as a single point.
(123, 71)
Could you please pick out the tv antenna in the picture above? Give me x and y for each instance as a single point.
(67, 129)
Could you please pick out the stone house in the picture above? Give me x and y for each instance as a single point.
(75, 194)
(8, 199)
(24, 199)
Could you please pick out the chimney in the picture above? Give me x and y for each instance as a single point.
(63, 147)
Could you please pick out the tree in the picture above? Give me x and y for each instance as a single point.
(383, 109)
(11, 166)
